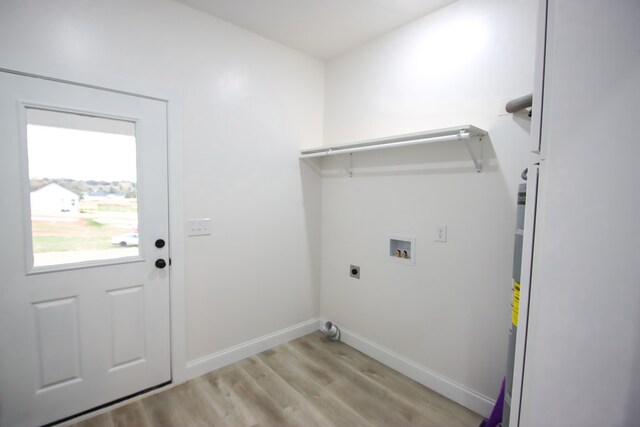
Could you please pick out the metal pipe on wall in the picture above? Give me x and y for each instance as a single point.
(520, 103)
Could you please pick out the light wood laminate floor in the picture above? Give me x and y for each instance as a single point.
(310, 381)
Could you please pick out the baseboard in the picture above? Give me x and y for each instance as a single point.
(457, 392)
(206, 364)
(466, 397)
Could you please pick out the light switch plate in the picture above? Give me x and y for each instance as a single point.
(199, 227)
(441, 233)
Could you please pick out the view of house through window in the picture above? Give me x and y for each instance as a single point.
(83, 191)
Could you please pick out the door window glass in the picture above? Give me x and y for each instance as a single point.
(83, 187)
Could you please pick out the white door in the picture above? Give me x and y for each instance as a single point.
(84, 303)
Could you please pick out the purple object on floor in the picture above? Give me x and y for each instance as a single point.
(495, 419)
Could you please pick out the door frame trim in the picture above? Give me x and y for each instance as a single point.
(173, 100)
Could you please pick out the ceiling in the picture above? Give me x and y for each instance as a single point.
(321, 28)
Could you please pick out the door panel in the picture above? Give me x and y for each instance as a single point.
(58, 343)
(127, 326)
(83, 320)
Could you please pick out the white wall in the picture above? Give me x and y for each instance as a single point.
(449, 313)
(249, 105)
(582, 365)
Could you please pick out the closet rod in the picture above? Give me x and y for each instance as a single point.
(381, 145)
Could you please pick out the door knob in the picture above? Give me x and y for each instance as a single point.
(160, 263)
(159, 243)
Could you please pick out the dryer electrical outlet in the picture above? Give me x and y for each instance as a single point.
(354, 271)
(441, 235)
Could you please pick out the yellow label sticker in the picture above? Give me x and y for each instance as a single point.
(516, 303)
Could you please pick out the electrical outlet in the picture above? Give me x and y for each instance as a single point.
(441, 235)
(354, 271)
(199, 227)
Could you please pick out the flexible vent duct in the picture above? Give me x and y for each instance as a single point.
(332, 331)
